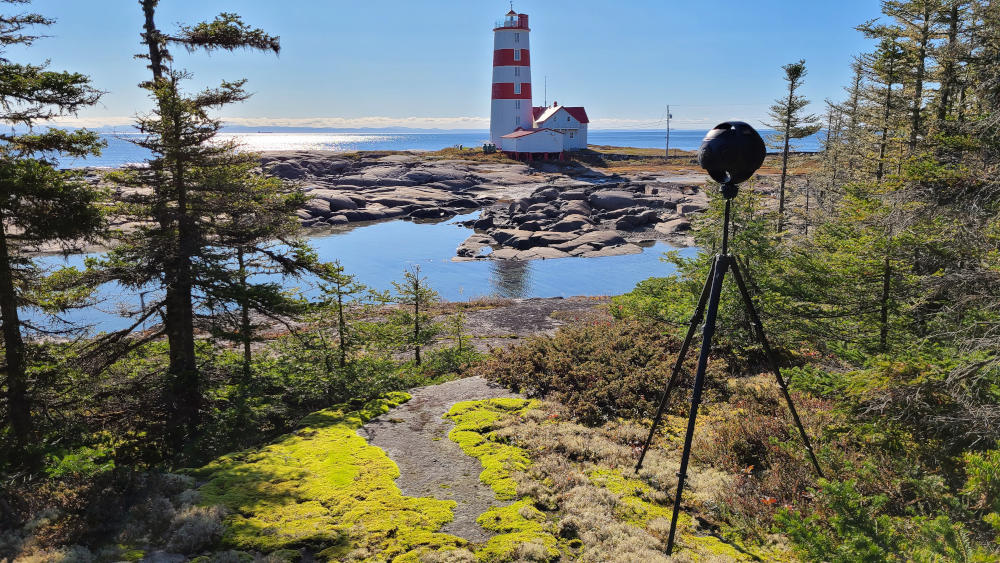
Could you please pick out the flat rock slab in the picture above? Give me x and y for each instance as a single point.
(415, 436)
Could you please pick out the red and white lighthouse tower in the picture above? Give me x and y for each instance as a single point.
(511, 106)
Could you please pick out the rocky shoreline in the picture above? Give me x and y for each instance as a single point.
(547, 210)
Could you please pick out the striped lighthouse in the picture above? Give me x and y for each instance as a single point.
(511, 102)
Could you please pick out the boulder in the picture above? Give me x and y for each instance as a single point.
(542, 253)
(573, 195)
(525, 217)
(286, 170)
(570, 223)
(505, 254)
(473, 246)
(419, 176)
(546, 238)
(540, 208)
(302, 214)
(483, 223)
(317, 207)
(355, 215)
(514, 238)
(519, 205)
(611, 199)
(339, 202)
(394, 201)
(325, 166)
(613, 251)
(430, 213)
(600, 238)
(637, 220)
(337, 220)
(582, 249)
(548, 193)
(463, 203)
(531, 226)
(687, 208)
(576, 207)
(673, 226)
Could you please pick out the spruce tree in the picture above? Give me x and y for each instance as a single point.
(38, 204)
(255, 244)
(189, 202)
(919, 23)
(791, 123)
(414, 297)
(342, 295)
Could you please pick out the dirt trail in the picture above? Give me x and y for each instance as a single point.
(415, 436)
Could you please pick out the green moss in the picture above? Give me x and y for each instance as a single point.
(324, 488)
(634, 506)
(516, 524)
(474, 420)
(130, 553)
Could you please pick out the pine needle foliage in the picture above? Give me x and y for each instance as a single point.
(39, 205)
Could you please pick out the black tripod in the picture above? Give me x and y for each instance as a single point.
(722, 263)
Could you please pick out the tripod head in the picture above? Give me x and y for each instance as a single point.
(731, 152)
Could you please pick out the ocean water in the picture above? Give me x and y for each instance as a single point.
(379, 253)
(120, 151)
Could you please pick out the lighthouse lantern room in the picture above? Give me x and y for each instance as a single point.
(515, 126)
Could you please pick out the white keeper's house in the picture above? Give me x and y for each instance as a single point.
(516, 127)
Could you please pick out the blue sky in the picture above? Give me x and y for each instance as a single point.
(381, 63)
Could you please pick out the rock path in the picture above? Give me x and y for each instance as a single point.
(415, 436)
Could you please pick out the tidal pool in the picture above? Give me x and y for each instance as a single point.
(379, 253)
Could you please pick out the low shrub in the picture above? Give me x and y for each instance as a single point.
(600, 371)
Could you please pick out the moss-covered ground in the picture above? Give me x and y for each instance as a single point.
(324, 490)
(323, 493)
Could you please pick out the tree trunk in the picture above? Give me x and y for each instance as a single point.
(884, 141)
(416, 320)
(948, 72)
(808, 193)
(18, 401)
(341, 324)
(152, 39)
(180, 307)
(918, 79)
(784, 159)
(245, 328)
(883, 337)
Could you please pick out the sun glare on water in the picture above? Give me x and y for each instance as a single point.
(258, 142)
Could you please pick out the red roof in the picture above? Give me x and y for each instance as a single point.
(577, 112)
(523, 132)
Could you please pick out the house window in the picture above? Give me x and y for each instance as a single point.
(517, 104)
(517, 88)
(517, 54)
(517, 38)
(572, 134)
(567, 118)
(517, 71)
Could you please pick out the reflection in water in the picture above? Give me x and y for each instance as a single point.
(378, 253)
(510, 278)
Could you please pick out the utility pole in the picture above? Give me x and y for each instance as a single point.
(667, 154)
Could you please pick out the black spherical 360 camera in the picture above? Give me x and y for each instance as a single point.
(731, 152)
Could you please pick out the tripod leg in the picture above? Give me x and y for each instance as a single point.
(721, 265)
(699, 312)
(773, 362)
